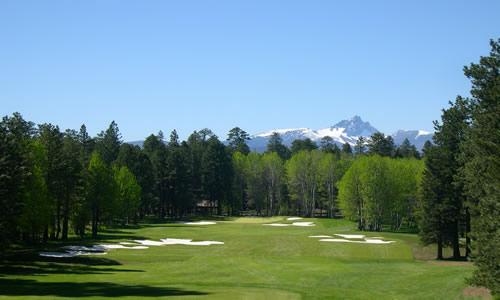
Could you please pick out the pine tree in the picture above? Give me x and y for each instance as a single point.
(237, 139)
(481, 171)
(275, 144)
(346, 149)
(108, 143)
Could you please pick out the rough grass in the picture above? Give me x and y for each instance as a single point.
(256, 262)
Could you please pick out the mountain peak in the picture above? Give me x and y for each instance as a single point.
(356, 127)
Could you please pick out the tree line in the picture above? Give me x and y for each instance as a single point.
(53, 182)
(460, 190)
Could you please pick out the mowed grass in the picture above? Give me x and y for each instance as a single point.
(256, 262)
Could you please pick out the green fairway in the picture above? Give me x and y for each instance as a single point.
(256, 262)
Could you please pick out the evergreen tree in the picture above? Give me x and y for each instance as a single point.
(346, 149)
(303, 145)
(407, 150)
(108, 143)
(217, 174)
(15, 139)
(442, 184)
(381, 145)
(71, 182)
(481, 170)
(275, 144)
(237, 139)
(360, 147)
(327, 144)
(52, 139)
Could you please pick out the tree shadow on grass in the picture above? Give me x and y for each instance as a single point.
(22, 287)
(30, 263)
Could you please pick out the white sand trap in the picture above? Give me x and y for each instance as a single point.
(377, 241)
(294, 218)
(351, 236)
(205, 243)
(305, 224)
(358, 242)
(170, 241)
(149, 243)
(127, 243)
(300, 224)
(321, 236)
(124, 247)
(199, 223)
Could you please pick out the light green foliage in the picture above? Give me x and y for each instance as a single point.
(101, 192)
(256, 192)
(378, 191)
(304, 179)
(129, 194)
(37, 210)
(274, 176)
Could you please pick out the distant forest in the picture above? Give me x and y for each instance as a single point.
(57, 183)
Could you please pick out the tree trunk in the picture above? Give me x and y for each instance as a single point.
(456, 242)
(439, 247)
(467, 233)
(65, 219)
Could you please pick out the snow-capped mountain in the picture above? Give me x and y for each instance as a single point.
(345, 131)
(416, 137)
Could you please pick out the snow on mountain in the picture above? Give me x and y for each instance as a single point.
(345, 131)
(416, 137)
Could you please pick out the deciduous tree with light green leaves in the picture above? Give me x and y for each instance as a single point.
(129, 194)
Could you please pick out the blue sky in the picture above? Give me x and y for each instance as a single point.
(154, 65)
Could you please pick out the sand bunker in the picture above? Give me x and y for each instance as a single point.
(294, 218)
(366, 241)
(199, 223)
(171, 241)
(321, 236)
(300, 224)
(306, 224)
(124, 247)
(149, 243)
(351, 236)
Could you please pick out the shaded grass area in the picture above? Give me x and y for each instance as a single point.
(256, 262)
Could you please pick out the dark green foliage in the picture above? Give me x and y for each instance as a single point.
(52, 139)
(346, 149)
(381, 145)
(407, 150)
(303, 145)
(15, 171)
(360, 147)
(237, 139)
(108, 143)
(442, 198)
(217, 174)
(481, 170)
(275, 144)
